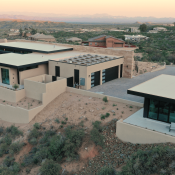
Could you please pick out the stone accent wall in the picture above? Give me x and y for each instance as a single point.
(128, 54)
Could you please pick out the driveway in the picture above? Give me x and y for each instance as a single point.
(118, 88)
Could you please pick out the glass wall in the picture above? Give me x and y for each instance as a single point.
(5, 76)
(162, 111)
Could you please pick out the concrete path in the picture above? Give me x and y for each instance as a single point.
(119, 87)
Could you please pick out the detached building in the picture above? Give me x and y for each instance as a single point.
(74, 39)
(104, 41)
(135, 37)
(159, 29)
(42, 37)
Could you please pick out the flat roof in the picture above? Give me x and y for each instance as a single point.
(86, 59)
(34, 47)
(15, 60)
(161, 88)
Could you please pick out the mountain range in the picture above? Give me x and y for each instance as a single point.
(96, 18)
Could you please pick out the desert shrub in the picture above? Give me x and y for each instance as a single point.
(55, 149)
(47, 135)
(3, 149)
(15, 147)
(107, 114)
(73, 141)
(33, 141)
(107, 171)
(8, 161)
(57, 120)
(14, 131)
(40, 155)
(150, 161)
(50, 167)
(34, 133)
(63, 122)
(7, 139)
(105, 99)
(97, 125)
(103, 116)
(36, 126)
(97, 137)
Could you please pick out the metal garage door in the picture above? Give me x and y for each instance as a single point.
(95, 79)
(109, 74)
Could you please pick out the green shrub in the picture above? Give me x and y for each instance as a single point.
(40, 155)
(107, 171)
(57, 120)
(15, 147)
(103, 116)
(97, 125)
(47, 135)
(97, 137)
(107, 114)
(50, 167)
(1, 130)
(114, 105)
(130, 107)
(7, 139)
(34, 133)
(14, 131)
(36, 126)
(55, 149)
(8, 161)
(33, 141)
(15, 86)
(105, 99)
(63, 122)
(73, 141)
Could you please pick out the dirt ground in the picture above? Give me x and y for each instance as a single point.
(144, 67)
(26, 103)
(75, 110)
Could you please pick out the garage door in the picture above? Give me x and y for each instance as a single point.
(95, 79)
(109, 74)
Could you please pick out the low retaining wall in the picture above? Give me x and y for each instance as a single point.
(10, 95)
(134, 134)
(92, 94)
(19, 115)
(160, 68)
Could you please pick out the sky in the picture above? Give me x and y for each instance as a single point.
(129, 8)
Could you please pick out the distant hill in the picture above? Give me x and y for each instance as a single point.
(96, 18)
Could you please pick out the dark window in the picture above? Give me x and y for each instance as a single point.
(57, 71)
(153, 109)
(172, 113)
(70, 82)
(5, 76)
(95, 79)
(76, 76)
(54, 78)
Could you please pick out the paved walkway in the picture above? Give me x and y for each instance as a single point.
(118, 88)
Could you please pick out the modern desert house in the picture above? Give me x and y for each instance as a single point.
(154, 123)
(44, 71)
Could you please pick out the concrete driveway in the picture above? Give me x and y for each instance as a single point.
(119, 87)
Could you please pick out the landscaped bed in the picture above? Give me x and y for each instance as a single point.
(26, 103)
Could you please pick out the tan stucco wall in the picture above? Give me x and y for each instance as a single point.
(34, 89)
(12, 75)
(13, 114)
(10, 95)
(92, 94)
(42, 69)
(135, 134)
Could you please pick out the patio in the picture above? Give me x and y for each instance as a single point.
(137, 119)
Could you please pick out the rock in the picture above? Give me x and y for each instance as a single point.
(81, 108)
(86, 148)
(91, 110)
(43, 161)
(82, 117)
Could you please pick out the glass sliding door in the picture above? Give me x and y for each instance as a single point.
(172, 113)
(153, 109)
(5, 76)
(163, 111)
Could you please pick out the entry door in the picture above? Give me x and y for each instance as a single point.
(57, 71)
(121, 70)
(5, 76)
(76, 76)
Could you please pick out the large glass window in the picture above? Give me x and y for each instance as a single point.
(153, 109)
(172, 113)
(163, 111)
(5, 76)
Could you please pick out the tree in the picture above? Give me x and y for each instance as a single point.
(143, 28)
(34, 31)
(20, 31)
